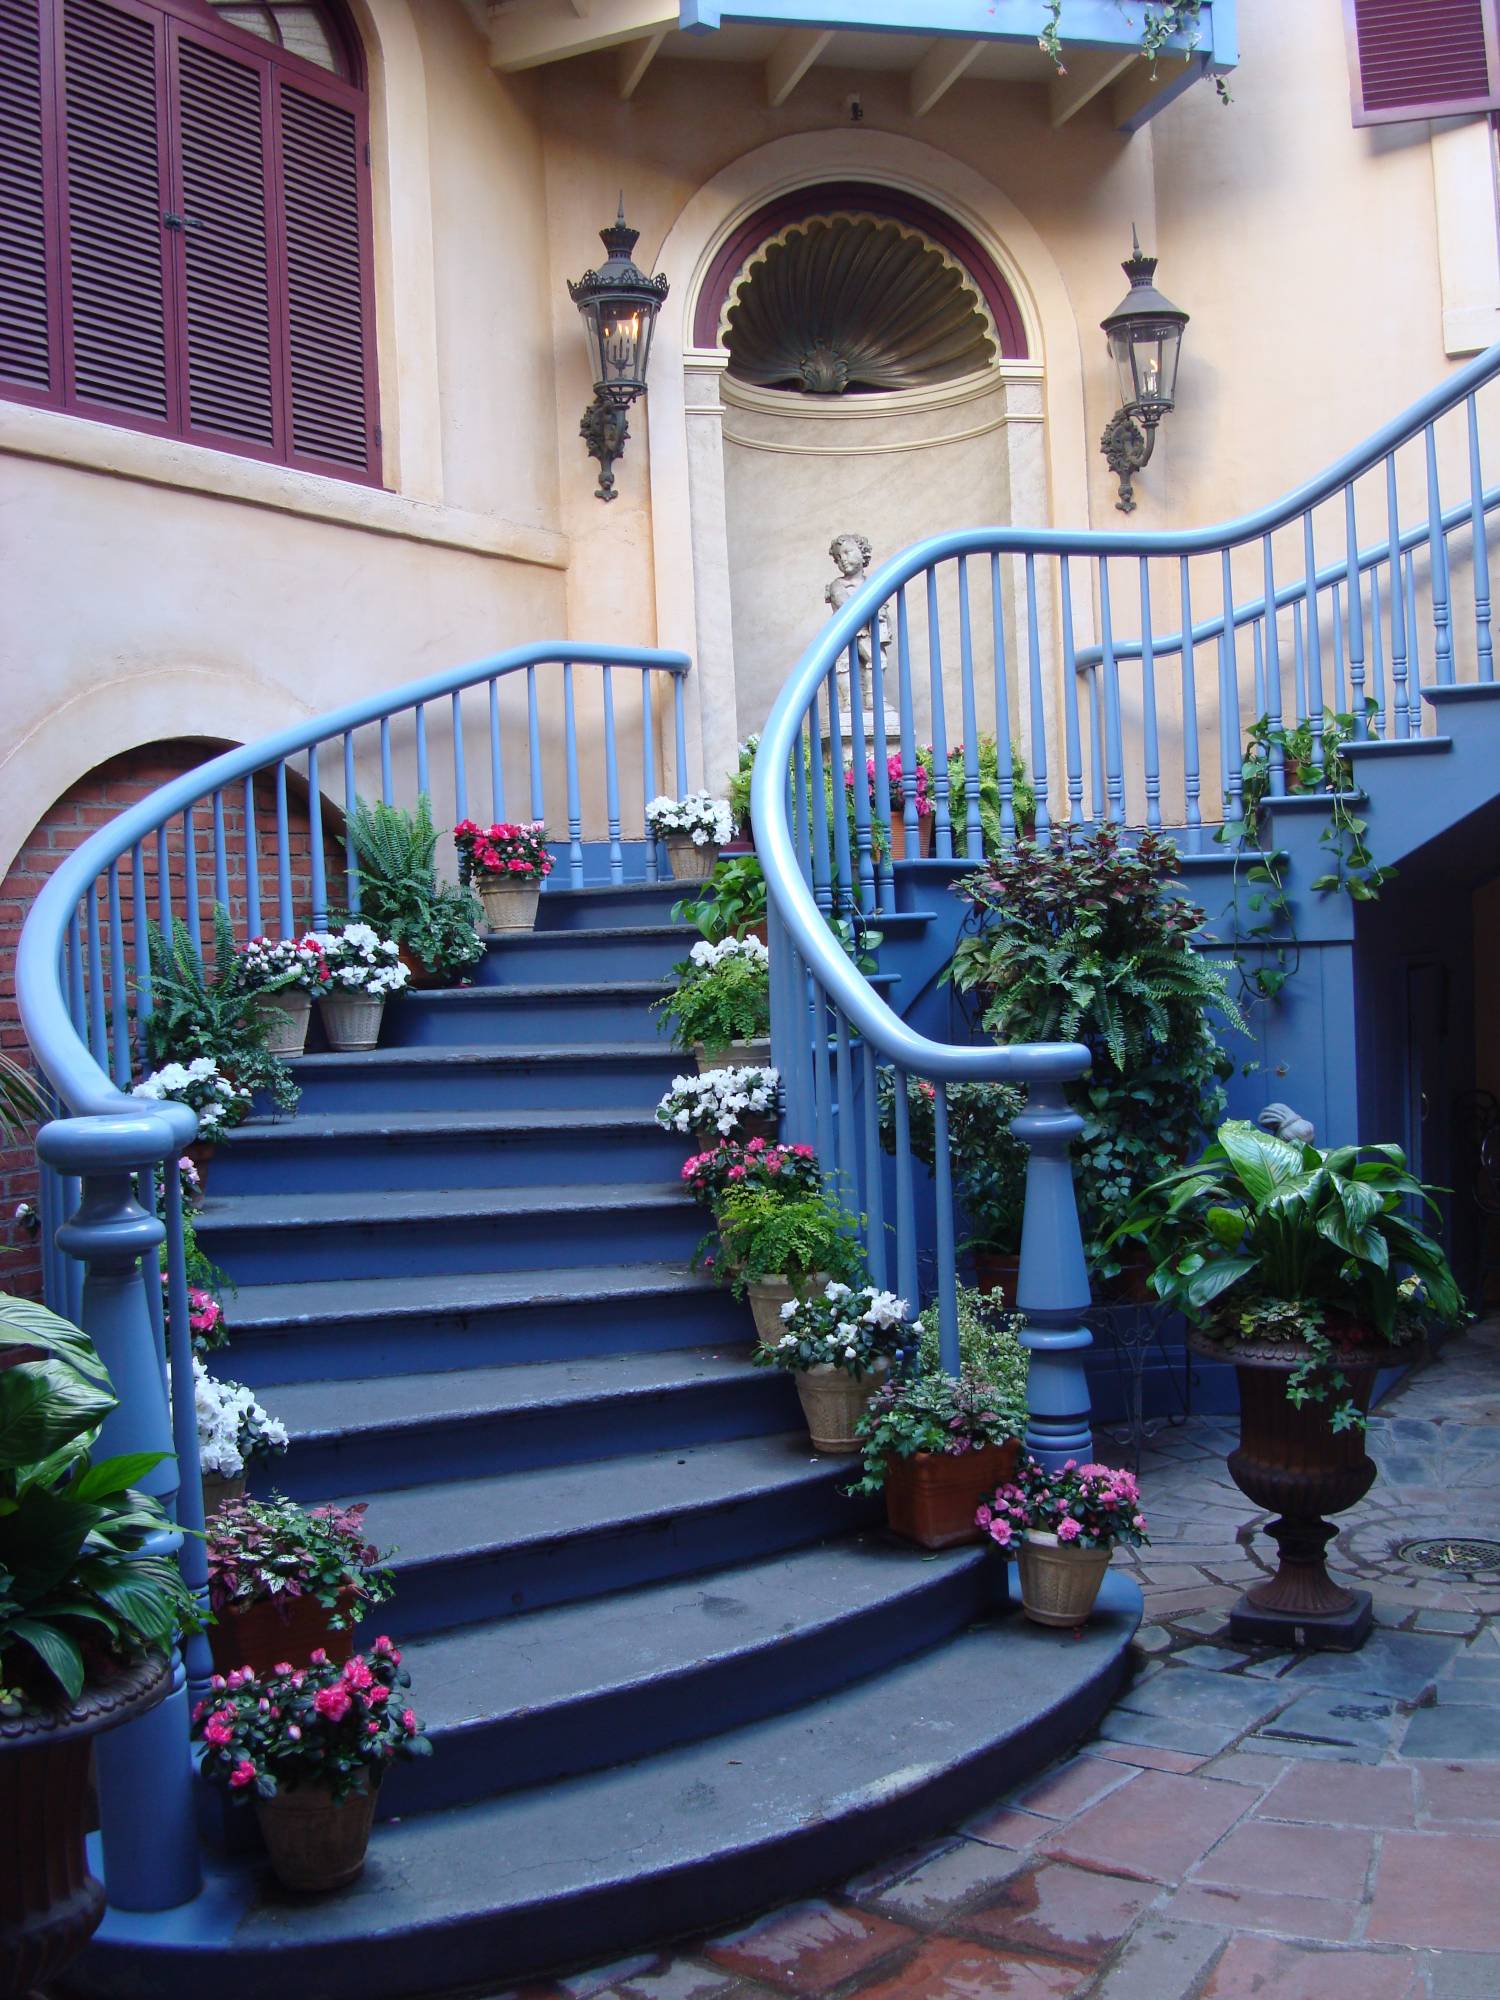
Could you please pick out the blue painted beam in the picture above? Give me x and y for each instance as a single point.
(1085, 23)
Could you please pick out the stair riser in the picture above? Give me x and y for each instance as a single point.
(495, 1018)
(454, 1160)
(594, 909)
(350, 1349)
(533, 1240)
(434, 1596)
(760, 1406)
(632, 1083)
(556, 958)
(511, 1751)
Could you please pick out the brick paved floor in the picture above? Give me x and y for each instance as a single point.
(1284, 1826)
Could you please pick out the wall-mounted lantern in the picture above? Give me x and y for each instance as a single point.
(618, 304)
(1145, 340)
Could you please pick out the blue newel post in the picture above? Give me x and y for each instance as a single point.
(1053, 1292)
(147, 1811)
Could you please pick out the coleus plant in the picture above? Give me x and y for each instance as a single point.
(261, 1549)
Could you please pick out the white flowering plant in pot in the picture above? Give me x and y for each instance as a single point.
(233, 1428)
(281, 976)
(692, 829)
(203, 1086)
(722, 1103)
(841, 1343)
(364, 969)
(722, 1000)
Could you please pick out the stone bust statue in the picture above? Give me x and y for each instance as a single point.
(851, 556)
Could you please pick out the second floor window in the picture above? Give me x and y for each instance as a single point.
(185, 224)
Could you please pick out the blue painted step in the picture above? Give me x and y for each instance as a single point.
(579, 1687)
(490, 1547)
(346, 1329)
(376, 1150)
(265, 1239)
(600, 1011)
(692, 1839)
(468, 1079)
(553, 957)
(604, 906)
(392, 1430)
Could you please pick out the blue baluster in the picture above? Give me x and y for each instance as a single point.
(283, 853)
(826, 1141)
(1096, 746)
(648, 766)
(907, 721)
(857, 787)
(947, 1258)
(163, 889)
(1191, 776)
(497, 757)
(1148, 703)
(460, 770)
(1004, 727)
(190, 881)
(534, 746)
(1336, 628)
(679, 735)
(252, 862)
(817, 800)
(942, 823)
(848, 1138)
(1437, 574)
(1299, 665)
(1314, 666)
(906, 1214)
(1073, 745)
(1354, 619)
(1272, 709)
(1377, 655)
(1114, 749)
(351, 800)
(98, 1033)
(874, 1190)
(973, 825)
(140, 919)
(1229, 697)
(419, 717)
(1257, 635)
(1400, 704)
(387, 778)
(1484, 647)
(317, 861)
(881, 755)
(1053, 1292)
(844, 901)
(575, 810)
(612, 782)
(119, 996)
(221, 853)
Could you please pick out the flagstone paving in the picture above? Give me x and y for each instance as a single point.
(1288, 1827)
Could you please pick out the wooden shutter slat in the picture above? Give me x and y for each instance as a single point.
(25, 316)
(222, 114)
(320, 165)
(1409, 61)
(114, 256)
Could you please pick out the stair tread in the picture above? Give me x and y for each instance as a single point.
(1380, 748)
(511, 996)
(514, 1055)
(566, 1653)
(333, 1299)
(431, 1205)
(727, 1802)
(458, 1518)
(322, 1125)
(391, 1402)
(599, 933)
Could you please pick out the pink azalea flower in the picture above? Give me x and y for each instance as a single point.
(332, 1702)
(243, 1774)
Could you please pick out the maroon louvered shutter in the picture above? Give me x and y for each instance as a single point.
(226, 249)
(1422, 58)
(324, 188)
(116, 261)
(30, 363)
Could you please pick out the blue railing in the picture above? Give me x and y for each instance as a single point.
(256, 832)
(998, 629)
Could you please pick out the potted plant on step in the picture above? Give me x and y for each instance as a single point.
(310, 1745)
(732, 905)
(757, 1164)
(1063, 1526)
(507, 863)
(86, 1627)
(740, 1103)
(364, 969)
(284, 1580)
(692, 830)
(935, 1444)
(435, 924)
(233, 1430)
(281, 975)
(202, 1085)
(840, 1341)
(739, 796)
(776, 1247)
(721, 1005)
(896, 785)
(1305, 1269)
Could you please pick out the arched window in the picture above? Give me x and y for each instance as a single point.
(185, 224)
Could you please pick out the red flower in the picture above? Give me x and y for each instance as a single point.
(356, 1673)
(332, 1702)
(243, 1774)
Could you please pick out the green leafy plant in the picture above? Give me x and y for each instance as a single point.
(1086, 940)
(1160, 23)
(987, 1159)
(260, 1549)
(77, 1597)
(723, 995)
(766, 1235)
(989, 1340)
(22, 1102)
(197, 1012)
(944, 1415)
(733, 900)
(857, 1329)
(739, 787)
(436, 923)
(1264, 1239)
(1023, 797)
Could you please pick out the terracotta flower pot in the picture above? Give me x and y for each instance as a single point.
(200, 1153)
(833, 1402)
(1059, 1584)
(216, 1491)
(352, 1020)
(758, 1128)
(286, 1015)
(992, 1269)
(510, 901)
(313, 1844)
(50, 1905)
(688, 861)
(931, 1497)
(734, 1055)
(768, 1295)
(898, 834)
(420, 975)
(274, 1629)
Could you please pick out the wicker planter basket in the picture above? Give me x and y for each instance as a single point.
(286, 1015)
(735, 1055)
(833, 1402)
(1058, 1584)
(931, 1498)
(510, 901)
(352, 1020)
(313, 1844)
(688, 861)
(769, 1295)
(216, 1491)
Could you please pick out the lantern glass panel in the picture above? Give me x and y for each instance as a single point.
(1146, 357)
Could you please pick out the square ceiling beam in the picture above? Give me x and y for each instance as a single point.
(634, 59)
(548, 33)
(938, 71)
(791, 59)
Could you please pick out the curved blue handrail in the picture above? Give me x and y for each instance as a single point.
(80, 1081)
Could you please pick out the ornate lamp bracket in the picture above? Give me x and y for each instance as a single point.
(604, 430)
(1127, 446)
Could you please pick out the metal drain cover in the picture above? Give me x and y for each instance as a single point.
(1454, 1555)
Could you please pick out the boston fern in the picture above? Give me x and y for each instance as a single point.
(76, 1595)
(765, 1235)
(198, 1012)
(437, 923)
(723, 995)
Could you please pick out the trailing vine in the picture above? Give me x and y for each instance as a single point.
(1160, 23)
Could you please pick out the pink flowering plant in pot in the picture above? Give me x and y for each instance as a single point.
(758, 1163)
(507, 864)
(310, 1745)
(1063, 1527)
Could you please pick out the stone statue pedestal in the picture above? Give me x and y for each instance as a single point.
(867, 724)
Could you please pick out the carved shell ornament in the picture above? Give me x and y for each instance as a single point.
(844, 303)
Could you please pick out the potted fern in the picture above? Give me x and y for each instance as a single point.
(721, 1006)
(435, 924)
(776, 1247)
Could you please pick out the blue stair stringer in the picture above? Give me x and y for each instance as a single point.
(673, 1673)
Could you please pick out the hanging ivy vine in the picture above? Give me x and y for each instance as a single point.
(1159, 24)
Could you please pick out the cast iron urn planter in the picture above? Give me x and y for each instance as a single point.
(1291, 1461)
(50, 1905)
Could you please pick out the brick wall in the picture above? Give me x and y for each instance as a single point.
(94, 801)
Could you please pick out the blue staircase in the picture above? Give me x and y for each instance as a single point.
(672, 1671)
